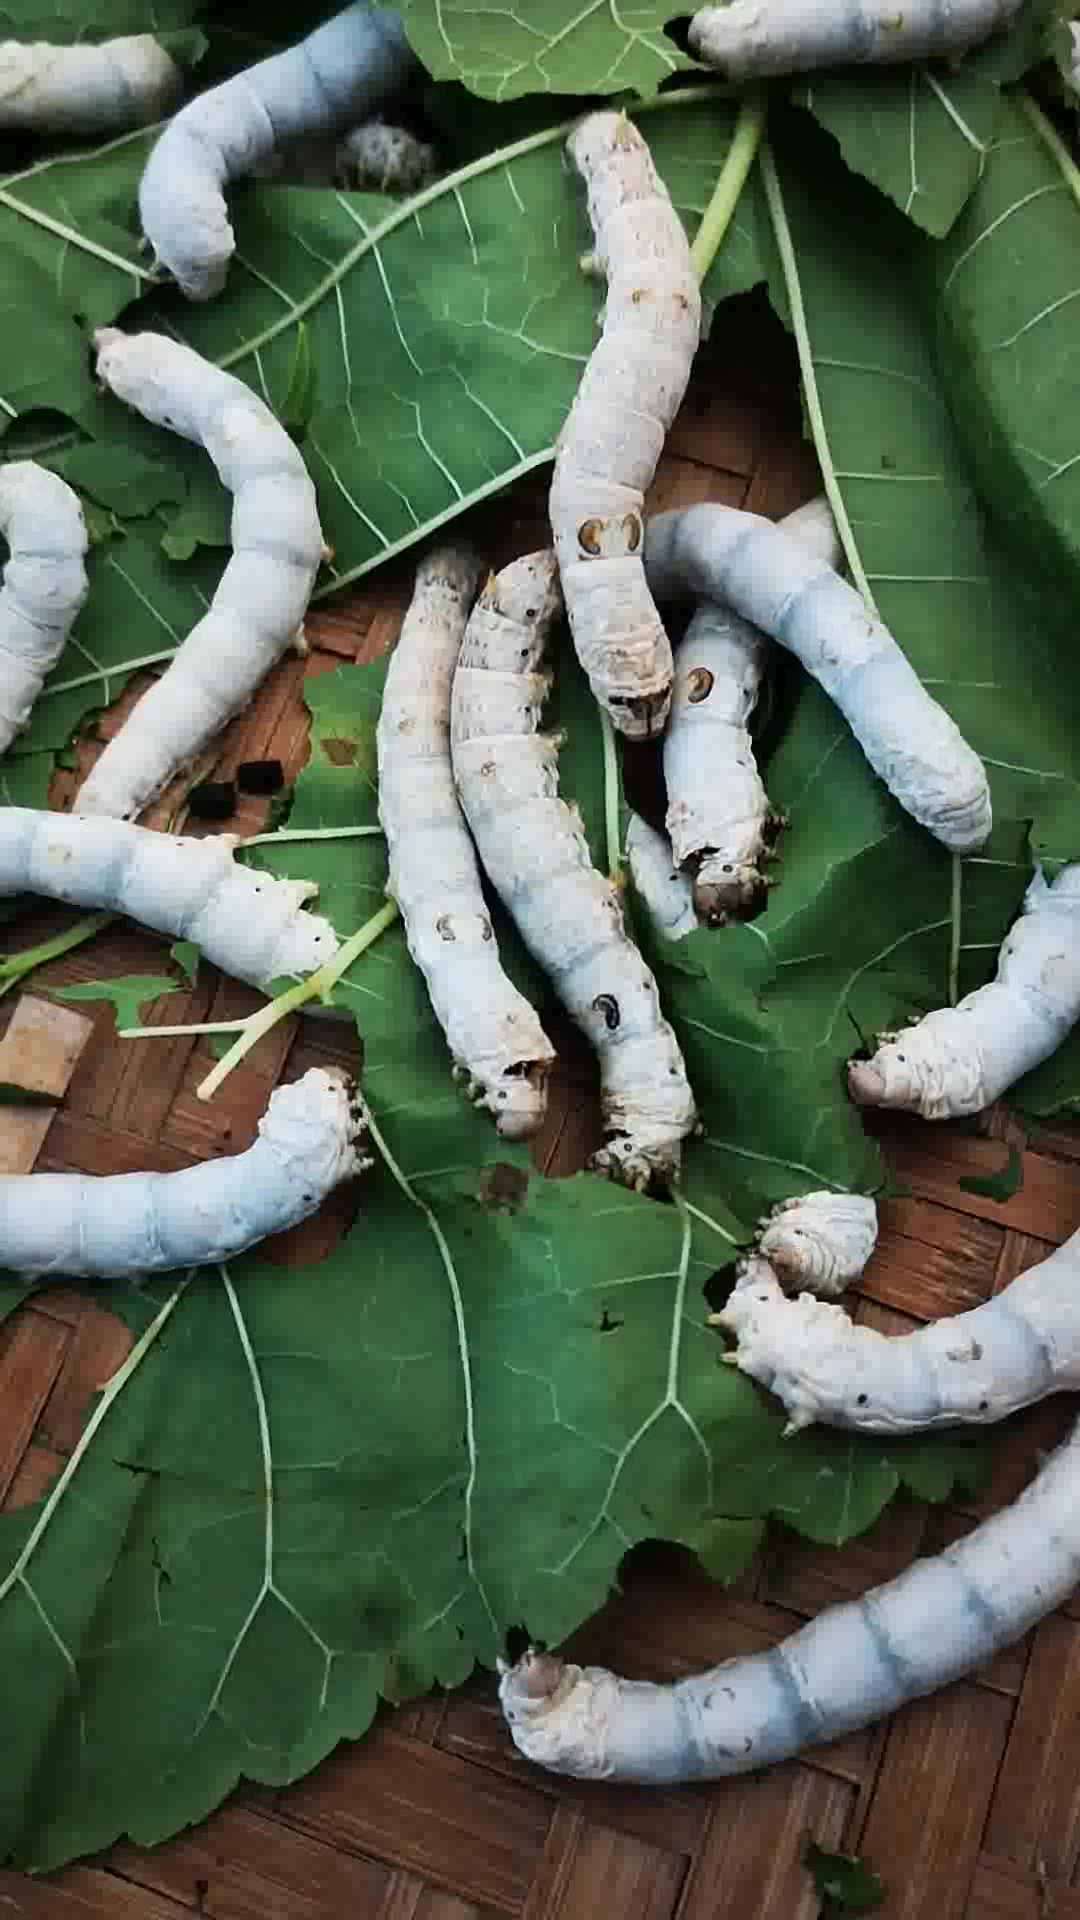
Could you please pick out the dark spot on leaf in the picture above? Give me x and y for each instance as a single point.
(606, 1324)
(340, 753)
(502, 1187)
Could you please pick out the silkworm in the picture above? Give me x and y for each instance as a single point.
(249, 924)
(494, 1036)
(44, 586)
(976, 1367)
(389, 159)
(960, 1059)
(851, 1666)
(537, 859)
(609, 446)
(258, 609)
(663, 888)
(819, 1242)
(118, 1226)
(746, 39)
(720, 553)
(85, 89)
(721, 825)
(333, 80)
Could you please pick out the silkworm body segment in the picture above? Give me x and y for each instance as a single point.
(613, 437)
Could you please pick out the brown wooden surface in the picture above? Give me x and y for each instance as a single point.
(968, 1804)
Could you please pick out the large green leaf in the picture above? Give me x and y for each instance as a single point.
(1006, 288)
(318, 1486)
(548, 46)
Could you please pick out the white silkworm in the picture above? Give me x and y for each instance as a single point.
(258, 609)
(119, 83)
(609, 446)
(494, 1036)
(721, 825)
(536, 857)
(332, 80)
(44, 584)
(249, 924)
(119, 1226)
(746, 39)
(819, 1242)
(851, 1666)
(663, 888)
(975, 1367)
(720, 553)
(958, 1060)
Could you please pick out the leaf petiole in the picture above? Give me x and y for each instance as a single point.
(317, 985)
(308, 833)
(18, 965)
(718, 215)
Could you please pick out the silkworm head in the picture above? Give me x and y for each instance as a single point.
(726, 890)
(519, 1102)
(888, 1080)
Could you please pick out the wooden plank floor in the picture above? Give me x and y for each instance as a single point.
(968, 1804)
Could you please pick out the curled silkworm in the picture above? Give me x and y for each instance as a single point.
(85, 88)
(721, 825)
(975, 1367)
(258, 609)
(960, 1059)
(249, 924)
(745, 39)
(494, 1036)
(819, 1242)
(662, 886)
(766, 576)
(332, 80)
(119, 1226)
(536, 856)
(610, 444)
(851, 1666)
(44, 584)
